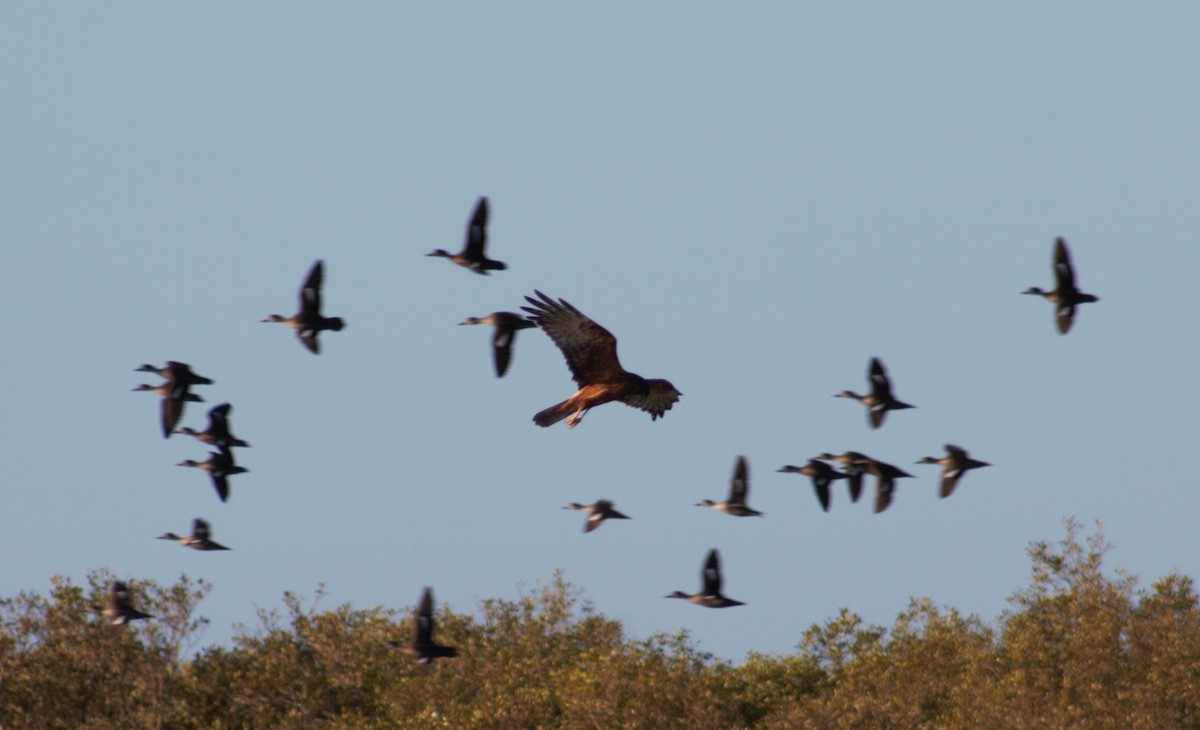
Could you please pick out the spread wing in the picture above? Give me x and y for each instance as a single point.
(740, 486)
(308, 338)
(589, 349)
(712, 575)
(884, 489)
(423, 624)
(1062, 265)
(881, 387)
(656, 399)
(310, 293)
(477, 231)
(200, 529)
(821, 485)
(1064, 315)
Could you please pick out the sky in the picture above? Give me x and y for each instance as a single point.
(755, 200)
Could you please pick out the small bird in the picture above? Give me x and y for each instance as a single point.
(120, 610)
(954, 464)
(599, 512)
(822, 475)
(217, 432)
(710, 590)
(856, 466)
(200, 539)
(423, 646)
(472, 255)
(175, 370)
(591, 354)
(1064, 295)
(174, 394)
(308, 322)
(219, 466)
(739, 489)
(506, 324)
(880, 400)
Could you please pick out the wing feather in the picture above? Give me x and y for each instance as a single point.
(589, 349)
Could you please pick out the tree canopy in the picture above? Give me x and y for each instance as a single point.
(1077, 648)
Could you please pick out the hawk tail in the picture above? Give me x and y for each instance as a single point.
(552, 415)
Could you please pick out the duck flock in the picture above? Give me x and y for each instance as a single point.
(590, 351)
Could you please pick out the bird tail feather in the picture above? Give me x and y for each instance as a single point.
(552, 415)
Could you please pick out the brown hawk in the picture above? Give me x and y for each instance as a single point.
(591, 354)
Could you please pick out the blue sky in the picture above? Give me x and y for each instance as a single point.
(754, 200)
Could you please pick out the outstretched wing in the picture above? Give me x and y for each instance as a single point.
(423, 623)
(881, 387)
(712, 575)
(477, 231)
(200, 529)
(739, 486)
(656, 399)
(1064, 315)
(310, 293)
(589, 349)
(1063, 272)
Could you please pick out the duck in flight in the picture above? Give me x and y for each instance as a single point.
(597, 513)
(591, 354)
(174, 394)
(217, 433)
(472, 255)
(175, 371)
(954, 464)
(200, 539)
(220, 467)
(1064, 295)
(739, 489)
(423, 647)
(119, 609)
(506, 324)
(856, 466)
(822, 475)
(880, 400)
(710, 588)
(308, 321)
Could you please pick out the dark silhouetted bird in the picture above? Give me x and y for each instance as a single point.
(506, 324)
(710, 589)
(1064, 295)
(308, 322)
(472, 255)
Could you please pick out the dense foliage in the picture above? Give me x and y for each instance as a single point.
(1077, 649)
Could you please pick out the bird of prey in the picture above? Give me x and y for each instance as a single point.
(598, 512)
(174, 394)
(739, 489)
(822, 475)
(423, 646)
(308, 321)
(880, 400)
(954, 464)
(217, 432)
(710, 589)
(1064, 295)
(591, 354)
(506, 324)
(200, 539)
(220, 467)
(472, 255)
(120, 610)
